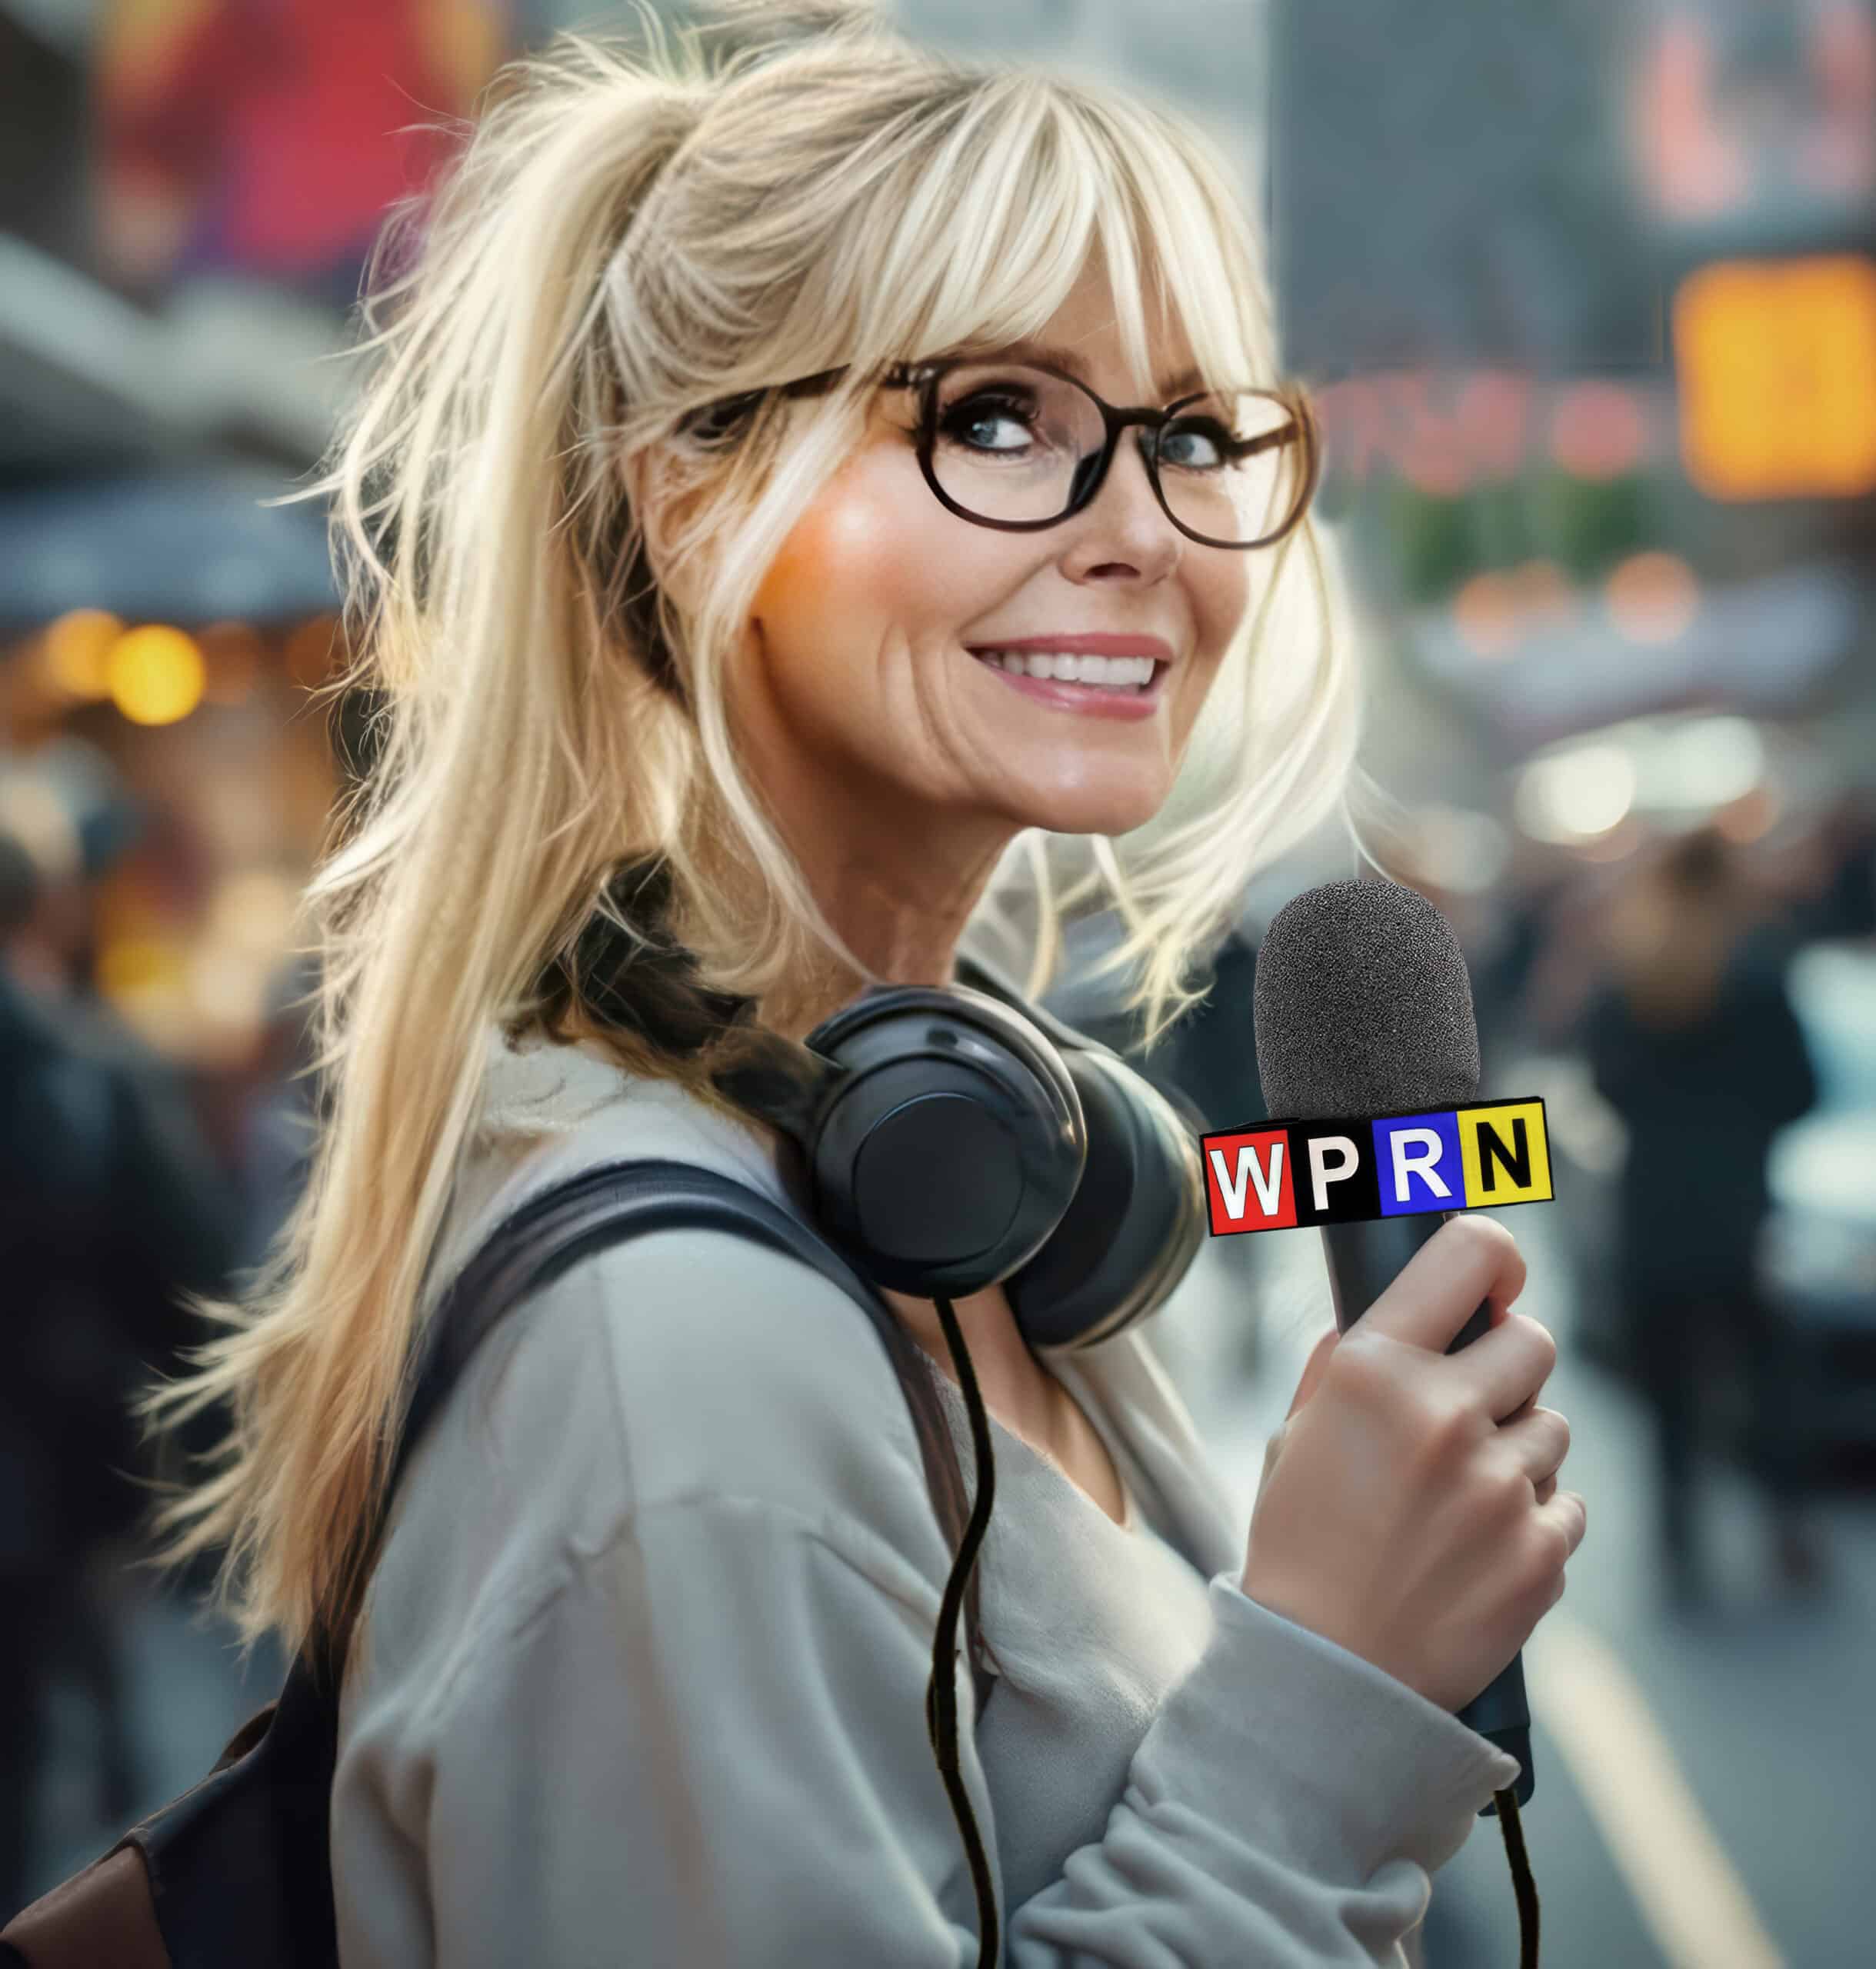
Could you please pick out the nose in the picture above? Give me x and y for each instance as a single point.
(1123, 532)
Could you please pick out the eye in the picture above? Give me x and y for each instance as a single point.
(990, 421)
(1197, 443)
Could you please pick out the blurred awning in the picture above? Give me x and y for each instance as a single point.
(224, 369)
(188, 544)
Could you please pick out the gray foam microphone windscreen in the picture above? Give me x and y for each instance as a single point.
(1362, 1005)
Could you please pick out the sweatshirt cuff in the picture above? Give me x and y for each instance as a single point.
(1319, 1753)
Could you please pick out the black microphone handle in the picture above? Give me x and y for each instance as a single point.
(1364, 1259)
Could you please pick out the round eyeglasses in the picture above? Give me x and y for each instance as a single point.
(1020, 446)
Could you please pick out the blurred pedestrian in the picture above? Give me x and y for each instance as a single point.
(1693, 1040)
(1836, 895)
(109, 1207)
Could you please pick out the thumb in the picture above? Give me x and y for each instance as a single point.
(1314, 1369)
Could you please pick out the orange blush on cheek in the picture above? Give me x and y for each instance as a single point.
(829, 588)
(843, 532)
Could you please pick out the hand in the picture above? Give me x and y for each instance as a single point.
(1409, 1509)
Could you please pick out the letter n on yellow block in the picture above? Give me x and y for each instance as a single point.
(1506, 1153)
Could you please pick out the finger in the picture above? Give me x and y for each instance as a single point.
(1546, 1489)
(1538, 1442)
(1505, 1367)
(1568, 1511)
(1466, 1260)
(1314, 1369)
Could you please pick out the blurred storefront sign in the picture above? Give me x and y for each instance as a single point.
(269, 136)
(1735, 108)
(1776, 365)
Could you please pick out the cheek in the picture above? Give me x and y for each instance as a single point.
(875, 565)
(830, 561)
(853, 566)
(1220, 604)
(1226, 599)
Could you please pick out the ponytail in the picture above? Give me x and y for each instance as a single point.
(470, 476)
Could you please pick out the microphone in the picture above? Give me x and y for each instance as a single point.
(1362, 1006)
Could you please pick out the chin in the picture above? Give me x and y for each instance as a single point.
(1111, 809)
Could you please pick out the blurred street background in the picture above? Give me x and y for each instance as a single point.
(1589, 306)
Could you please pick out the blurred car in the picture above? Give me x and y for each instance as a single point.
(1819, 1251)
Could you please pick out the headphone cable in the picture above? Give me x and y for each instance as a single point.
(941, 1692)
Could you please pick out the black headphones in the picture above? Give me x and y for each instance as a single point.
(949, 1138)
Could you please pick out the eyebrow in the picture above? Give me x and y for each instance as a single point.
(1059, 357)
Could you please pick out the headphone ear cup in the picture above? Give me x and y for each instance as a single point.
(1136, 1221)
(949, 1142)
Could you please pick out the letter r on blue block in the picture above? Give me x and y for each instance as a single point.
(1417, 1163)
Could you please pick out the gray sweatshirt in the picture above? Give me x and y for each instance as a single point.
(642, 1676)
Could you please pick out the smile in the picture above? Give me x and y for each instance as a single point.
(1102, 686)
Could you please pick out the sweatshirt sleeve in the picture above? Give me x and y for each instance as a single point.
(707, 1745)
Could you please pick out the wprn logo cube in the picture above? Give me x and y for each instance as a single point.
(1276, 1174)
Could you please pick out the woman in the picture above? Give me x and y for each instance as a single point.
(641, 1671)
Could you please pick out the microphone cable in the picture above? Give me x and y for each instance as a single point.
(1523, 1885)
(941, 1692)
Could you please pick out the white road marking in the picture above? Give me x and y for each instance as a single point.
(1596, 1718)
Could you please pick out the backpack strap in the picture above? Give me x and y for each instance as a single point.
(551, 1232)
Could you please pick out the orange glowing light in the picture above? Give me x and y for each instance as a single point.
(1487, 613)
(73, 652)
(1653, 597)
(1777, 363)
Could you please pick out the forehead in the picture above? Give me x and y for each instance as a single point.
(1085, 337)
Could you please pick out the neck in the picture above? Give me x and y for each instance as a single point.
(1015, 1385)
(899, 895)
(899, 888)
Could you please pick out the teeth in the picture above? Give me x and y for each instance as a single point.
(1119, 672)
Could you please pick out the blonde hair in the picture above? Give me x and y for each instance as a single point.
(630, 234)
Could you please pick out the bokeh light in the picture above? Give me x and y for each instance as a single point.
(156, 675)
(1702, 765)
(1653, 597)
(1598, 431)
(1487, 613)
(74, 651)
(1576, 794)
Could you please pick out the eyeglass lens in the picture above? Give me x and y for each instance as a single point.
(1016, 443)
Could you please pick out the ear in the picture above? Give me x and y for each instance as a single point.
(664, 498)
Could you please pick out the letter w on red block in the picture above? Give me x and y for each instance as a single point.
(1248, 1181)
